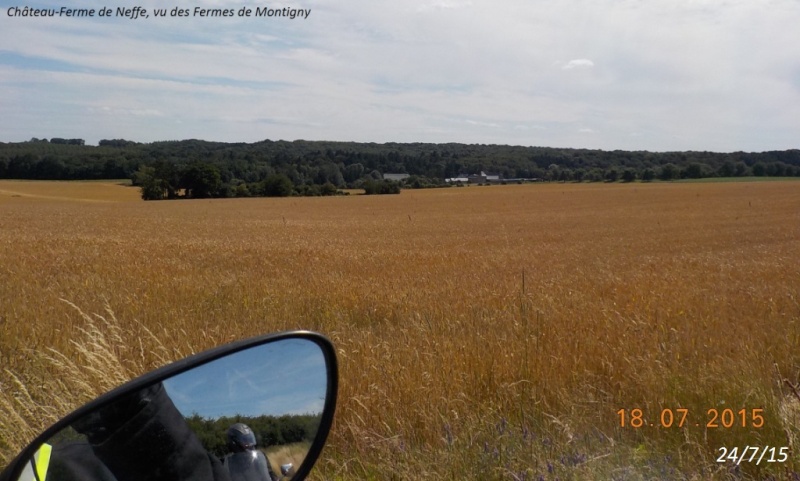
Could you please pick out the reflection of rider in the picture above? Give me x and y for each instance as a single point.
(245, 462)
(141, 436)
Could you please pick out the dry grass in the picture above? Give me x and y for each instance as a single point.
(483, 332)
(293, 454)
(71, 191)
(50, 384)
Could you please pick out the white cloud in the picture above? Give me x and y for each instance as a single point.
(105, 110)
(443, 5)
(478, 123)
(579, 63)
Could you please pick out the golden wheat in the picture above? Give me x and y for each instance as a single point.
(483, 332)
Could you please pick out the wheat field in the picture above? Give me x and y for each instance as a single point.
(482, 332)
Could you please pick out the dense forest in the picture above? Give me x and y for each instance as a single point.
(201, 169)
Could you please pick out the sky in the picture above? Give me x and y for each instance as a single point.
(657, 75)
(283, 377)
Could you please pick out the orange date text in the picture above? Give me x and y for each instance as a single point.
(682, 417)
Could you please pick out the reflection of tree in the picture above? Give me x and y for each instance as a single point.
(66, 435)
(269, 430)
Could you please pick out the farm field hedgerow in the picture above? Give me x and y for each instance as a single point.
(483, 332)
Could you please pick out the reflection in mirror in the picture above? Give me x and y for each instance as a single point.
(251, 415)
(276, 392)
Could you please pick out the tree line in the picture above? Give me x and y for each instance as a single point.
(197, 169)
(269, 430)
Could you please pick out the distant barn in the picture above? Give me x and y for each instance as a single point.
(395, 177)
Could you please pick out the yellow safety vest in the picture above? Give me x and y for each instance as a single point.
(36, 468)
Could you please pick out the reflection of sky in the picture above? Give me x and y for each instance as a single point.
(282, 377)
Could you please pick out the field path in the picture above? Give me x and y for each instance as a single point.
(76, 191)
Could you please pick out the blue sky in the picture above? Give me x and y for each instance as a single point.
(284, 377)
(660, 75)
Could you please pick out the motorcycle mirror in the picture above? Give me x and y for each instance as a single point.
(262, 405)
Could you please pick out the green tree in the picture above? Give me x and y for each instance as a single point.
(277, 185)
(776, 169)
(201, 181)
(329, 172)
(628, 175)
(328, 189)
(612, 175)
(152, 187)
(727, 169)
(742, 170)
(553, 172)
(693, 171)
(22, 166)
(241, 190)
(669, 172)
(170, 175)
(596, 175)
(353, 172)
(372, 187)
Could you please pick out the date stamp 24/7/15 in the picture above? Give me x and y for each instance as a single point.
(753, 454)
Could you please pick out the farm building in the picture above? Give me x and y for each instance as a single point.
(395, 177)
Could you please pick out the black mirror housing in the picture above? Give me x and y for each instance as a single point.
(288, 376)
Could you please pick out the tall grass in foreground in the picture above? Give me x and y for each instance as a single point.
(51, 384)
(483, 333)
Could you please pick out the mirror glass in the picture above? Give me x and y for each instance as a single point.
(251, 415)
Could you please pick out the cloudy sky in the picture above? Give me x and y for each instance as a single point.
(659, 75)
